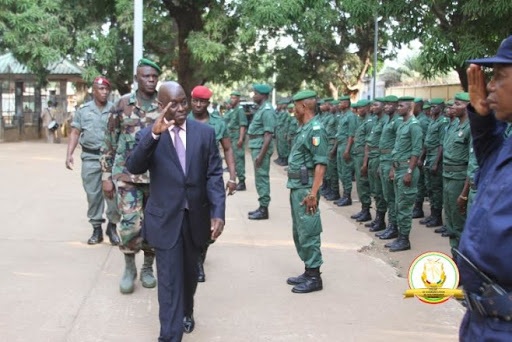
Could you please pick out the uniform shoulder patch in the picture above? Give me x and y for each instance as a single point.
(267, 106)
(315, 141)
(316, 127)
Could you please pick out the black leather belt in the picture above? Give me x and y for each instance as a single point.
(296, 174)
(454, 168)
(88, 150)
(495, 306)
(397, 164)
(255, 136)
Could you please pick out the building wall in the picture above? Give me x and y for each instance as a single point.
(445, 91)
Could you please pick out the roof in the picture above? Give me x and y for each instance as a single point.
(10, 65)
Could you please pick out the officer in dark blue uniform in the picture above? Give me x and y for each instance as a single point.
(485, 245)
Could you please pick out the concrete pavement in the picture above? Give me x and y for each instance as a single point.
(55, 287)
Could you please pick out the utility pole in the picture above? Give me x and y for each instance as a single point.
(138, 27)
(375, 47)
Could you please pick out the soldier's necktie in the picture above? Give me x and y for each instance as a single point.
(180, 148)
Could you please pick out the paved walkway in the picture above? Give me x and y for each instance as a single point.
(54, 287)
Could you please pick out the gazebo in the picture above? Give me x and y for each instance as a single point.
(23, 99)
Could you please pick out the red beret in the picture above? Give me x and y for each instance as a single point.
(201, 92)
(102, 81)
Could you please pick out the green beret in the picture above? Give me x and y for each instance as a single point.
(426, 106)
(344, 98)
(291, 105)
(449, 103)
(283, 102)
(335, 102)
(436, 101)
(354, 105)
(148, 62)
(304, 94)
(462, 97)
(406, 98)
(235, 93)
(418, 100)
(363, 103)
(391, 98)
(328, 99)
(262, 88)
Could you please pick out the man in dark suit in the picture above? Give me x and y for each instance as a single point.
(186, 206)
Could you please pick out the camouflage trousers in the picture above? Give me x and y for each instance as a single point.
(131, 200)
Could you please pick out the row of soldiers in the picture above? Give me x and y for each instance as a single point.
(401, 150)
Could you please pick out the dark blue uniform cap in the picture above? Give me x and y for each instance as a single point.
(503, 56)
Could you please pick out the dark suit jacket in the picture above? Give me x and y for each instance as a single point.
(170, 189)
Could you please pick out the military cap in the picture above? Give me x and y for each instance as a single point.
(503, 55)
(304, 94)
(355, 105)
(101, 80)
(335, 102)
(391, 98)
(149, 62)
(262, 88)
(236, 93)
(363, 103)
(291, 105)
(436, 101)
(283, 102)
(380, 99)
(344, 98)
(320, 102)
(418, 100)
(406, 98)
(462, 97)
(426, 106)
(328, 99)
(449, 103)
(201, 92)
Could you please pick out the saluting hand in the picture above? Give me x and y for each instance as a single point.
(160, 125)
(217, 226)
(477, 89)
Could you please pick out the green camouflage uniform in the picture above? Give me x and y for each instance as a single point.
(363, 130)
(309, 149)
(262, 121)
(91, 122)
(347, 125)
(455, 168)
(235, 119)
(372, 142)
(125, 120)
(408, 144)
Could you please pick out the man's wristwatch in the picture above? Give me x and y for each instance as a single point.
(409, 170)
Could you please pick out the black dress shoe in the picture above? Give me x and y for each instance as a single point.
(241, 186)
(296, 280)
(188, 324)
(260, 214)
(312, 283)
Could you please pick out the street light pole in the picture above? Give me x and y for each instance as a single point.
(375, 46)
(137, 35)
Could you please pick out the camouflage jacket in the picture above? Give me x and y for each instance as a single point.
(126, 118)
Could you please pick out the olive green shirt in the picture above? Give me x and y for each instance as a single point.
(91, 121)
(217, 123)
(310, 148)
(293, 126)
(408, 142)
(363, 130)
(435, 137)
(456, 150)
(347, 125)
(331, 125)
(263, 121)
(373, 139)
(388, 137)
(235, 119)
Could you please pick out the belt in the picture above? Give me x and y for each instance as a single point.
(452, 168)
(495, 306)
(385, 151)
(88, 150)
(254, 136)
(296, 174)
(397, 164)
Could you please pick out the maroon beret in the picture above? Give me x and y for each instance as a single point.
(201, 92)
(102, 81)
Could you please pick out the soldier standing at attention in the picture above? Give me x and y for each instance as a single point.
(347, 124)
(260, 134)
(331, 127)
(455, 168)
(307, 163)
(88, 129)
(386, 145)
(372, 157)
(237, 127)
(292, 126)
(424, 121)
(363, 130)
(281, 127)
(404, 172)
(131, 114)
(432, 160)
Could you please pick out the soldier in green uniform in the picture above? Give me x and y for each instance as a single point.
(331, 126)
(281, 130)
(293, 125)
(306, 168)
(88, 129)
(236, 122)
(404, 172)
(365, 125)
(432, 160)
(347, 124)
(386, 145)
(455, 168)
(372, 159)
(260, 134)
(132, 113)
(424, 121)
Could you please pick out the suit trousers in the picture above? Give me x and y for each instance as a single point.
(177, 283)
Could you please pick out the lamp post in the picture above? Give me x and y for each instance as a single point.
(375, 47)
(137, 35)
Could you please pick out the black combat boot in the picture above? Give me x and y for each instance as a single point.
(241, 186)
(323, 188)
(371, 224)
(380, 223)
(400, 244)
(346, 200)
(111, 232)
(356, 215)
(333, 195)
(417, 211)
(97, 235)
(312, 283)
(284, 162)
(441, 230)
(437, 218)
(297, 280)
(428, 218)
(254, 211)
(260, 214)
(147, 277)
(391, 232)
(365, 215)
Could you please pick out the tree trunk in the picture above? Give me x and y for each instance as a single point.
(463, 77)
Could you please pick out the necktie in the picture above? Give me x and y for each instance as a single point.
(180, 148)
